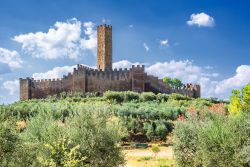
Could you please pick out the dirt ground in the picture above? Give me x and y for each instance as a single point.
(146, 158)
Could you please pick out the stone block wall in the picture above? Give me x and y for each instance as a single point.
(84, 79)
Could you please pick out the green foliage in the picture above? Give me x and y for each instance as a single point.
(61, 153)
(173, 82)
(94, 125)
(147, 96)
(240, 101)
(215, 141)
(175, 96)
(162, 97)
(8, 141)
(235, 105)
(246, 97)
(131, 96)
(97, 137)
(185, 144)
(155, 149)
(145, 158)
(114, 96)
(91, 126)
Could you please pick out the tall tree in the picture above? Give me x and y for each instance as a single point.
(246, 97)
(235, 105)
(175, 82)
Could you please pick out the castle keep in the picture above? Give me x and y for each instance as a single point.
(85, 79)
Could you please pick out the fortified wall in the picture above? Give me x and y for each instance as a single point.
(85, 79)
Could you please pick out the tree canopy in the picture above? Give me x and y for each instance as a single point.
(173, 82)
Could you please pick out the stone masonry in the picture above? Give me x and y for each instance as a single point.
(85, 79)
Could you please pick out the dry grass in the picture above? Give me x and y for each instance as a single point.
(146, 158)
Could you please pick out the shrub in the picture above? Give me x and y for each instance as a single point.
(62, 153)
(155, 149)
(147, 96)
(131, 96)
(185, 144)
(145, 158)
(114, 96)
(214, 141)
(161, 97)
(90, 127)
(8, 142)
(175, 96)
(96, 136)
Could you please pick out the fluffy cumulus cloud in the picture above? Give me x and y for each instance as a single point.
(164, 42)
(241, 78)
(56, 72)
(10, 58)
(64, 39)
(146, 47)
(124, 64)
(201, 20)
(11, 86)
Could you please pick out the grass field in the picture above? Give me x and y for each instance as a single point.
(146, 158)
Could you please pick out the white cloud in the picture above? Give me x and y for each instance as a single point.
(240, 79)
(146, 47)
(11, 86)
(201, 19)
(56, 72)
(90, 42)
(11, 58)
(124, 64)
(164, 42)
(64, 39)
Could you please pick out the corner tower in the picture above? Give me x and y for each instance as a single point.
(104, 47)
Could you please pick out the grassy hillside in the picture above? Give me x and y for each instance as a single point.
(88, 129)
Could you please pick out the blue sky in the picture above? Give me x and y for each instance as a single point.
(200, 41)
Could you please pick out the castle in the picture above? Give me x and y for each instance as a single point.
(85, 79)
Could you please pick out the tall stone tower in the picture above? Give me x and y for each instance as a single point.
(104, 47)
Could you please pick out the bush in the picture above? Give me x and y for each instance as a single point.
(62, 153)
(90, 127)
(8, 142)
(155, 149)
(97, 136)
(147, 96)
(114, 96)
(161, 97)
(215, 141)
(185, 144)
(131, 96)
(175, 96)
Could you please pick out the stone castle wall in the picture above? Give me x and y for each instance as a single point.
(85, 79)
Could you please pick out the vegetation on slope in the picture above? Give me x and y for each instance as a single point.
(213, 138)
(87, 129)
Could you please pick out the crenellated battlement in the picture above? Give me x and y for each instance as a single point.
(104, 26)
